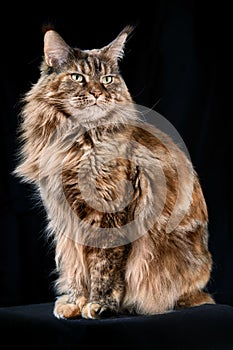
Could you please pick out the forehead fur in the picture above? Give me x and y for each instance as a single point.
(94, 62)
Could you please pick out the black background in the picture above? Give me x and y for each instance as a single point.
(178, 62)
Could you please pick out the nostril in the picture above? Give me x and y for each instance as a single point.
(96, 92)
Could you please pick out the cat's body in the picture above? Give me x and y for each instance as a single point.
(125, 207)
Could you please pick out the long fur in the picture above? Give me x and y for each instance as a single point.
(125, 206)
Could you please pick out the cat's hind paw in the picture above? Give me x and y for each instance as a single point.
(95, 310)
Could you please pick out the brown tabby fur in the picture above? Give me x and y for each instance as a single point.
(111, 185)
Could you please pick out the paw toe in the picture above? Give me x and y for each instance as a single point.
(94, 310)
(64, 311)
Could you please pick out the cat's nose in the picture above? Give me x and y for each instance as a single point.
(96, 92)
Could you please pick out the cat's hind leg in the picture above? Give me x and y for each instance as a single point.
(194, 298)
(65, 309)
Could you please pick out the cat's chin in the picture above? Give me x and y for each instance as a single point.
(91, 114)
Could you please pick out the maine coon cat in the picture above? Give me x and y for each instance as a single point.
(125, 207)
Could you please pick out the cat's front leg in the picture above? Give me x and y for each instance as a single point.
(71, 284)
(107, 267)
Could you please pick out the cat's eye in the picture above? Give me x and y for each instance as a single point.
(79, 78)
(107, 79)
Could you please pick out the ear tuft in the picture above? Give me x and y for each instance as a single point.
(115, 50)
(46, 27)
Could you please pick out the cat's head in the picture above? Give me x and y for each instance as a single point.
(84, 84)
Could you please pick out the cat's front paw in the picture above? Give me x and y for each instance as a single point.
(93, 310)
(64, 309)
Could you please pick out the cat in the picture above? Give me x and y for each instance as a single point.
(125, 208)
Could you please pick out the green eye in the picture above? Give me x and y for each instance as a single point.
(79, 78)
(107, 79)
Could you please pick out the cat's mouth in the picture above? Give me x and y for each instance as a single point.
(101, 103)
(95, 103)
(87, 103)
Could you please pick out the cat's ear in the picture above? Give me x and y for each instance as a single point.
(56, 51)
(115, 50)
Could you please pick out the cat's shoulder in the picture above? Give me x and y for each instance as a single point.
(152, 137)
